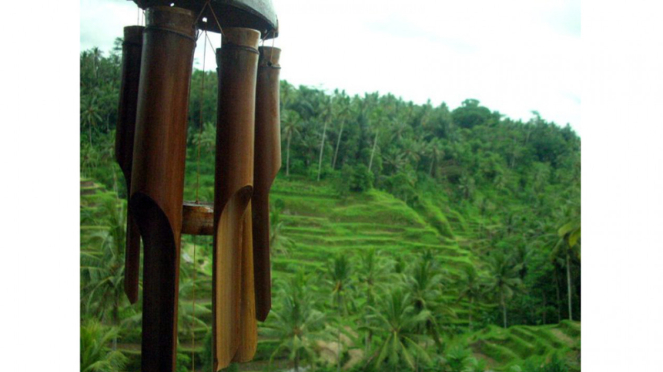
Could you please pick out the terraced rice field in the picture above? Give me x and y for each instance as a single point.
(318, 224)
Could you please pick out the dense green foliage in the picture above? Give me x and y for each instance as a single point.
(431, 230)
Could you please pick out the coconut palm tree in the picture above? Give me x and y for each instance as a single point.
(95, 355)
(327, 112)
(338, 276)
(471, 288)
(291, 127)
(341, 115)
(90, 113)
(102, 266)
(503, 280)
(278, 242)
(373, 272)
(295, 323)
(435, 153)
(396, 322)
(425, 284)
(567, 247)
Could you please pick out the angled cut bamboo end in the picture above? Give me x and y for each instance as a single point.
(267, 165)
(237, 66)
(132, 49)
(248, 327)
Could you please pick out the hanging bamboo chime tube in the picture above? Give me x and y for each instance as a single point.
(237, 62)
(248, 326)
(267, 164)
(124, 146)
(157, 181)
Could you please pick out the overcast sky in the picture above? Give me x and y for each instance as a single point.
(514, 56)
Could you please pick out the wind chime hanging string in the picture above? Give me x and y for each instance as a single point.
(195, 262)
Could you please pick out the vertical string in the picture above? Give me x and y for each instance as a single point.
(209, 41)
(193, 310)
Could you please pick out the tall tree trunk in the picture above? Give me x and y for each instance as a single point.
(559, 301)
(116, 319)
(430, 170)
(471, 310)
(338, 142)
(503, 308)
(297, 361)
(568, 283)
(375, 143)
(322, 147)
(287, 157)
(340, 350)
(545, 305)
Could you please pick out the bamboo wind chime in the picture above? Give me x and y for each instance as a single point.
(157, 62)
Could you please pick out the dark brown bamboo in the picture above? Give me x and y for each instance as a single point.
(267, 165)
(157, 179)
(237, 62)
(124, 146)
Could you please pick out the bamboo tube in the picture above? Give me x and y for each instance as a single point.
(267, 165)
(197, 219)
(248, 330)
(237, 62)
(124, 146)
(157, 179)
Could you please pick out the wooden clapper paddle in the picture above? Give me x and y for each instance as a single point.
(151, 151)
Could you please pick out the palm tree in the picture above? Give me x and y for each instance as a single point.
(295, 322)
(373, 271)
(291, 126)
(277, 241)
(95, 356)
(378, 118)
(205, 139)
(503, 279)
(326, 117)
(425, 284)
(338, 272)
(569, 237)
(189, 312)
(103, 266)
(90, 113)
(435, 153)
(396, 321)
(471, 288)
(344, 106)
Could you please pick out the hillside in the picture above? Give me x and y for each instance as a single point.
(316, 224)
(403, 235)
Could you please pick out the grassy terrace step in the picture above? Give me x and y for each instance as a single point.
(496, 351)
(521, 342)
(308, 238)
(454, 254)
(570, 328)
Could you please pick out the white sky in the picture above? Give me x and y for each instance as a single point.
(514, 56)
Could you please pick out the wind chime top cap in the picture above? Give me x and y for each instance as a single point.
(255, 14)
